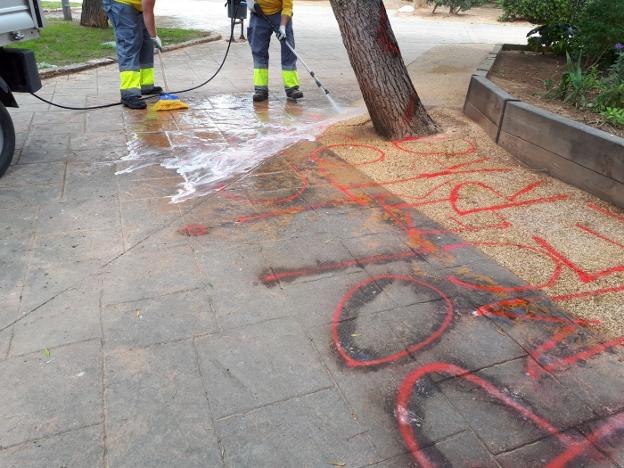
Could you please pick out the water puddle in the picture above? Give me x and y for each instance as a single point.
(223, 138)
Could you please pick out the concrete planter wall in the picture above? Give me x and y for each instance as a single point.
(575, 153)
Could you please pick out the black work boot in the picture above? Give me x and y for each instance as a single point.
(294, 93)
(133, 102)
(261, 95)
(151, 91)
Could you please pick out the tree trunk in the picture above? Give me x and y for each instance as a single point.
(93, 15)
(392, 101)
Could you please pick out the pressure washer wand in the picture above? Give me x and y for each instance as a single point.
(258, 10)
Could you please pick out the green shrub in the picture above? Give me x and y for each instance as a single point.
(601, 27)
(614, 115)
(543, 11)
(577, 86)
(555, 37)
(455, 6)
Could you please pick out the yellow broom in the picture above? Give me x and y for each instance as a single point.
(168, 102)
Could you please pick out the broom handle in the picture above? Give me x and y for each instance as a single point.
(162, 69)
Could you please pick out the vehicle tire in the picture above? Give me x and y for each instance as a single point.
(7, 139)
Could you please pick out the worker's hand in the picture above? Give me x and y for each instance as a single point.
(281, 34)
(251, 4)
(157, 43)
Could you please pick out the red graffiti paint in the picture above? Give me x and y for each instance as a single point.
(471, 146)
(554, 276)
(580, 295)
(510, 201)
(604, 212)
(613, 425)
(599, 236)
(194, 230)
(335, 266)
(386, 42)
(303, 186)
(583, 275)
(404, 397)
(502, 309)
(434, 336)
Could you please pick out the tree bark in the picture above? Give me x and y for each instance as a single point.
(393, 104)
(93, 15)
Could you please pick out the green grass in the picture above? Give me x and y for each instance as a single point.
(63, 43)
(54, 5)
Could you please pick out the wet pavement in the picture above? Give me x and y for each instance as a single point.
(289, 318)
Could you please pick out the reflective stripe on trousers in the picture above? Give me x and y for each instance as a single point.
(259, 35)
(135, 50)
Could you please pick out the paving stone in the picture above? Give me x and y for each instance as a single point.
(157, 413)
(45, 148)
(153, 219)
(98, 140)
(463, 449)
(400, 461)
(70, 317)
(604, 371)
(321, 310)
(163, 188)
(16, 253)
(28, 196)
(17, 223)
(143, 273)
(470, 342)
(542, 452)
(272, 435)
(92, 214)
(233, 280)
(372, 392)
(158, 320)
(318, 258)
(90, 180)
(34, 174)
(74, 449)
(45, 280)
(5, 341)
(501, 428)
(77, 246)
(608, 436)
(42, 395)
(259, 364)
(92, 155)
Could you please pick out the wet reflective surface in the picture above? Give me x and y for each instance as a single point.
(222, 138)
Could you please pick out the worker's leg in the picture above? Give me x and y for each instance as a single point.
(146, 58)
(290, 76)
(259, 36)
(125, 19)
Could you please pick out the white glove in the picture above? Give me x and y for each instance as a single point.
(251, 4)
(157, 43)
(281, 35)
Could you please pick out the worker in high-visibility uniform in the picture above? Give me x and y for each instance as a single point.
(136, 37)
(279, 13)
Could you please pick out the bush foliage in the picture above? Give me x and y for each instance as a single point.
(455, 6)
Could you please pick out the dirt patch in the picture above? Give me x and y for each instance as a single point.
(525, 74)
(487, 14)
(560, 240)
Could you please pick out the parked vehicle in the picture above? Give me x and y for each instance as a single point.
(19, 20)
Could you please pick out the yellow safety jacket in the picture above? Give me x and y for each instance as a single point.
(271, 7)
(138, 4)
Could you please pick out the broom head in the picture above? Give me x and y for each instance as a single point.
(170, 102)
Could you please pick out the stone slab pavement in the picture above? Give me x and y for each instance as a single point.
(286, 320)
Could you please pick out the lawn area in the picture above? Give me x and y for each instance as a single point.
(54, 5)
(63, 43)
